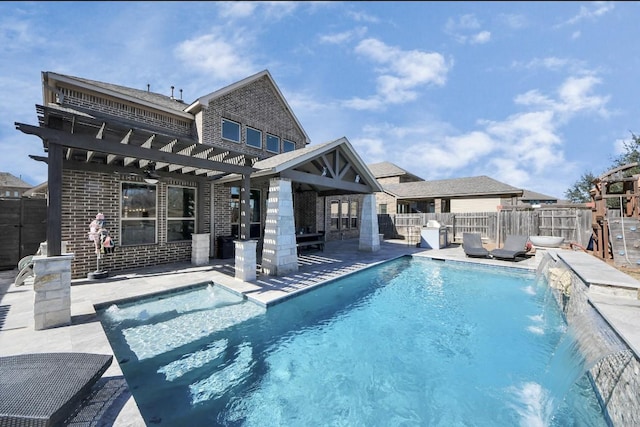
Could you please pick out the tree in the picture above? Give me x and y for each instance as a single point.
(631, 154)
(579, 192)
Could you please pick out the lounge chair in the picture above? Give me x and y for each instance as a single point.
(515, 246)
(472, 245)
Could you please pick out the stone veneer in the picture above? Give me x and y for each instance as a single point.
(279, 254)
(369, 235)
(52, 291)
(616, 376)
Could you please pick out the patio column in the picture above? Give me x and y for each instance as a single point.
(246, 260)
(279, 255)
(200, 249)
(369, 234)
(52, 287)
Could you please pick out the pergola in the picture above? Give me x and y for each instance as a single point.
(106, 144)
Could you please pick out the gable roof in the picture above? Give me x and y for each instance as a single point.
(458, 187)
(9, 180)
(388, 169)
(306, 164)
(204, 101)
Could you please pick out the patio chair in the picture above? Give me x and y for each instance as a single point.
(515, 246)
(25, 269)
(472, 245)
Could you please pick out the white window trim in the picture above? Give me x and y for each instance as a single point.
(285, 142)
(222, 130)
(247, 137)
(267, 143)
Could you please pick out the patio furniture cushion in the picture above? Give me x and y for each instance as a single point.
(44, 389)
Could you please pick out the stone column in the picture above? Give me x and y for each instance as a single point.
(279, 255)
(246, 259)
(369, 233)
(52, 286)
(200, 249)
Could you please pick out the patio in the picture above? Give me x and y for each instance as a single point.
(111, 402)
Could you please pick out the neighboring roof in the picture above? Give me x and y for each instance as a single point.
(9, 180)
(205, 100)
(41, 188)
(532, 195)
(388, 169)
(144, 97)
(458, 187)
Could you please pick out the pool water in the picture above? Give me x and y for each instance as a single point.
(411, 342)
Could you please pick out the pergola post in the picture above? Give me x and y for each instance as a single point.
(54, 210)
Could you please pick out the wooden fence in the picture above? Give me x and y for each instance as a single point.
(572, 223)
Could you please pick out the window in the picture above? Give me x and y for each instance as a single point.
(288, 146)
(230, 130)
(353, 214)
(343, 214)
(382, 209)
(138, 214)
(335, 214)
(255, 202)
(181, 213)
(273, 143)
(254, 138)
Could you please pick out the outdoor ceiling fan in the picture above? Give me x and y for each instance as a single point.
(150, 175)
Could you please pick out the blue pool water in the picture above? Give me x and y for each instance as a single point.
(412, 342)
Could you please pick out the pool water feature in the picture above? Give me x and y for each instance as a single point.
(409, 342)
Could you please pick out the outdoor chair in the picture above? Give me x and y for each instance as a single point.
(514, 246)
(472, 245)
(25, 269)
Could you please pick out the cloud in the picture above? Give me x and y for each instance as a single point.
(401, 73)
(465, 30)
(236, 9)
(273, 10)
(362, 17)
(343, 37)
(513, 21)
(216, 55)
(594, 10)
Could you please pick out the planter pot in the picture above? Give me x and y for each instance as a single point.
(546, 241)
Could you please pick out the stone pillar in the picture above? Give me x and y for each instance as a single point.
(369, 233)
(52, 286)
(279, 255)
(200, 249)
(246, 259)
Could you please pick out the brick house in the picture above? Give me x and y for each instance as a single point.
(12, 187)
(162, 171)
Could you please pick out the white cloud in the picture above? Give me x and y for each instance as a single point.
(236, 9)
(594, 10)
(214, 54)
(362, 17)
(480, 38)
(400, 74)
(343, 37)
(513, 20)
(243, 9)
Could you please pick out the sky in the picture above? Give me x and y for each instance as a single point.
(532, 94)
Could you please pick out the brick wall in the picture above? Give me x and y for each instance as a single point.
(86, 193)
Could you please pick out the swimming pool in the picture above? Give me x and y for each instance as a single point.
(412, 342)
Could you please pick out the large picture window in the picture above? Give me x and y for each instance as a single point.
(138, 219)
(181, 213)
(230, 130)
(343, 214)
(255, 202)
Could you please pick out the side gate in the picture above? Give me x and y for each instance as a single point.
(23, 225)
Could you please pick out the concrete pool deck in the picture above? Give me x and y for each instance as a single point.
(114, 405)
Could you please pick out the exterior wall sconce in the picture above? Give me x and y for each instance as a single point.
(357, 180)
(324, 171)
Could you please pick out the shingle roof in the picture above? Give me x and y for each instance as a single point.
(458, 187)
(151, 97)
(532, 195)
(8, 180)
(387, 169)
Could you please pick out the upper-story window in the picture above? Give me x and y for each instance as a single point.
(273, 143)
(230, 130)
(254, 137)
(288, 146)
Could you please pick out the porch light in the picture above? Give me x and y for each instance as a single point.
(357, 180)
(324, 171)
